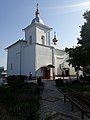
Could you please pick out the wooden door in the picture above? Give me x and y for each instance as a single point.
(46, 73)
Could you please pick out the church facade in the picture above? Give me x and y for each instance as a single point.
(35, 54)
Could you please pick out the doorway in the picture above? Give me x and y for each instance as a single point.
(46, 73)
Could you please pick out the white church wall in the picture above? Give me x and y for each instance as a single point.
(42, 32)
(13, 60)
(61, 62)
(66, 65)
(71, 69)
(29, 60)
(43, 58)
(48, 38)
(59, 58)
(22, 56)
(58, 65)
(59, 52)
(30, 32)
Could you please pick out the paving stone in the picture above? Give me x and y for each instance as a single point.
(53, 101)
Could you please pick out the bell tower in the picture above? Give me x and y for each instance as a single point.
(37, 31)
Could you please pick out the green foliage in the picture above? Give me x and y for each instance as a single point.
(74, 56)
(48, 116)
(15, 80)
(84, 41)
(85, 29)
(7, 94)
(3, 114)
(24, 111)
(79, 87)
(19, 103)
(75, 82)
(80, 55)
(20, 111)
(59, 82)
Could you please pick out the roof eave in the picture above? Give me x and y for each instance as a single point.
(39, 24)
(15, 43)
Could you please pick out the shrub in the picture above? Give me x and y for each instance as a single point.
(6, 94)
(20, 111)
(59, 82)
(19, 103)
(3, 114)
(15, 80)
(75, 82)
(26, 110)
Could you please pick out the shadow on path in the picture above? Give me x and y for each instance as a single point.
(52, 101)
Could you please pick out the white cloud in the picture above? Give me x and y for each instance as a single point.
(75, 7)
(84, 4)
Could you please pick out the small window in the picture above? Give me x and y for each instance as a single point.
(43, 39)
(30, 40)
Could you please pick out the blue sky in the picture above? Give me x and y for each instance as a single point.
(64, 16)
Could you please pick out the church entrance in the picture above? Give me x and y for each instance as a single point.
(46, 73)
(66, 72)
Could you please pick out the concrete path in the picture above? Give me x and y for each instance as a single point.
(52, 101)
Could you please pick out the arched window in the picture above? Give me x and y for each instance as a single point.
(43, 39)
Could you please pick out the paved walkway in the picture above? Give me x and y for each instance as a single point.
(53, 101)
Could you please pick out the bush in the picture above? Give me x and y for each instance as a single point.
(59, 82)
(15, 80)
(75, 82)
(19, 103)
(25, 110)
(6, 94)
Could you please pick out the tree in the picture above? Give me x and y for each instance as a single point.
(80, 55)
(85, 38)
(85, 30)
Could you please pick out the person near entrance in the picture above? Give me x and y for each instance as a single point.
(30, 75)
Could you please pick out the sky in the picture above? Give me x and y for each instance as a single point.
(64, 16)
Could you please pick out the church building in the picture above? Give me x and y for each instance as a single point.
(36, 54)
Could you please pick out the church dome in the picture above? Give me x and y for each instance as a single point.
(37, 18)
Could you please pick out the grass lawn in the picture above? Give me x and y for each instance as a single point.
(83, 88)
(79, 87)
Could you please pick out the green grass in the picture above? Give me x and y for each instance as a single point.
(81, 87)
